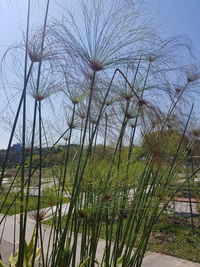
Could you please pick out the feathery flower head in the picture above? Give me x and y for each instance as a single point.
(82, 214)
(72, 124)
(126, 93)
(48, 86)
(132, 124)
(192, 73)
(101, 37)
(36, 51)
(161, 53)
(147, 111)
(196, 133)
(81, 111)
(93, 119)
(74, 91)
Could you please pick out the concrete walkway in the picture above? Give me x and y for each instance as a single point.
(151, 259)
(48, 212)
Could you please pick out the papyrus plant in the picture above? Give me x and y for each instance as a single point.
(110, 85)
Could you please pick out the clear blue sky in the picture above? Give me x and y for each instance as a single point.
(174, 17)
(179, 17)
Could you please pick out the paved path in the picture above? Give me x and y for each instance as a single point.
(48, 212)
(6, 249)
(159, 260)
(183, 207)
(151, 259)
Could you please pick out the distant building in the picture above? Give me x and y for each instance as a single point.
(14, 155)
(16, 147)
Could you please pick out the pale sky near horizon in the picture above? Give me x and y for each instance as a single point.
(174, 17)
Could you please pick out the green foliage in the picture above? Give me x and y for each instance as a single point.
(50, 198)
(164, 142)
(2, 264)
(86, 261)
(172, 236)
(28, 254)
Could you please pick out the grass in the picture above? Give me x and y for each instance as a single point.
(46, 201)
(172, 235)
